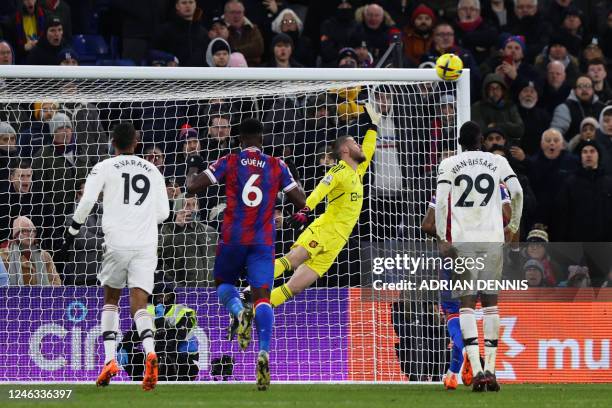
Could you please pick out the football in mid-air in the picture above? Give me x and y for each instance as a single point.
(449, 67)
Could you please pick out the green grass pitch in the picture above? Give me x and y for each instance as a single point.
(329, 396)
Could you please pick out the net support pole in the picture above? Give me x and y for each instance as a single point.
(463, 102)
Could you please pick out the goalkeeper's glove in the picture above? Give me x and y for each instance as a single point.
(196, 161)
(69, 236)
(300, 219)
(374, 116)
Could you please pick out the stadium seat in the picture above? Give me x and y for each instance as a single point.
(90, 48)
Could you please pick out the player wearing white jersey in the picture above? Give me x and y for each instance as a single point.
(471, 180)
(135, 202)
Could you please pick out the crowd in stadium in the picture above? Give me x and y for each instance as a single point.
(540, 92)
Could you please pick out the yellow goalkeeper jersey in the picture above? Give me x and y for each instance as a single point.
(343, 188)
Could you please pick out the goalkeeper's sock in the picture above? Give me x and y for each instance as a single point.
(491, 334)
(281, 265)
(470, 337)
(264, 320)
(230, 298)
(454, 330)
(144, 326)
(280, 295)
(110, 327)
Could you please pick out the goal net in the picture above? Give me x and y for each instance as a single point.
(56, 124)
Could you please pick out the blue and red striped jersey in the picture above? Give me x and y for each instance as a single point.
(252, 182)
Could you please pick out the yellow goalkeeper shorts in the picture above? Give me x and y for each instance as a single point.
(323, 245)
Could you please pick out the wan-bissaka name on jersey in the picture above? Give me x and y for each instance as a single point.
(343, 187)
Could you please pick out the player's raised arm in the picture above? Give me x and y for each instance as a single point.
(508, 177)
(93, 187)
(369, 141)
(442, 193)
(197, 179)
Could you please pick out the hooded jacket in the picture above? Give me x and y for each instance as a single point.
(568, 116)
(605, 140)
(504, 114)
(209, 54)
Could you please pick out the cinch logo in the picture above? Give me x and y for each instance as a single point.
(54, 346)
(561, 349)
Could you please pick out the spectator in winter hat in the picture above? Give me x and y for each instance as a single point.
(604, 133)
(588, 131)
(496, 109)
(492, 137)
(60, 128)
(68, 56)
(557, 51)
(573, 30)
(282, 52)
(159, 58)
(347, 58)
(534, 273)
(418, 35)
(218, 29)
(218, 53)
(47, 49)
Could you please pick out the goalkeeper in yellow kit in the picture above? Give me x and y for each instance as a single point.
(320, 243)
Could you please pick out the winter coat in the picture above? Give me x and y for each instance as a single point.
(479, 41)
(187, 40)
(537, 33)
(536, 121)
(415, 44)
(44, 53)
(377, 40)
(584, 207)
(568, 116)
(248, 41)
(64, 13)
(188, 253)
(335, 35)
(86, 255)
(58, 174)
(504, 114)
(551, 98)
(31, 205)
(140, 18)
(209, 54)
(546, 177)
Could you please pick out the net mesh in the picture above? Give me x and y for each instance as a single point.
(338, 330)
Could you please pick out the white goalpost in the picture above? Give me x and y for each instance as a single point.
(338, 331)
